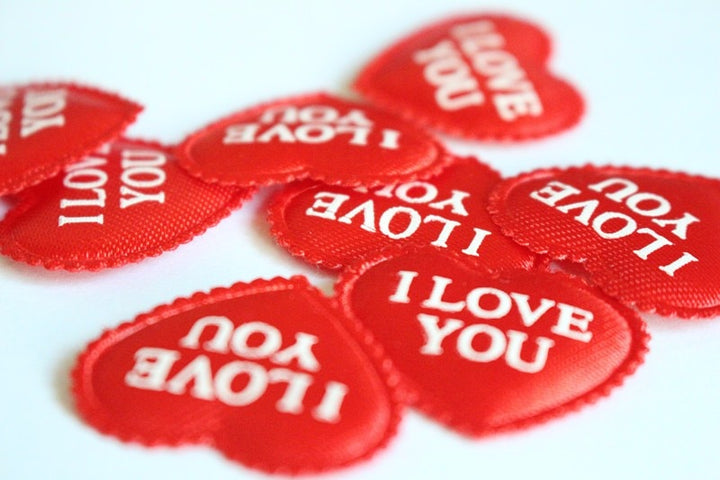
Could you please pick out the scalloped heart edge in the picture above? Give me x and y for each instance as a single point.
(86, 407)
(275, 215)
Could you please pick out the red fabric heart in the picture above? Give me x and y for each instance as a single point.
(127, 201)
(46, 126)
(315, 136)
(268, 373)
(484, 353)
(647, 237)
(476, 76)
(336, 226)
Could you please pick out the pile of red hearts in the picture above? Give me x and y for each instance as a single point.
(449, 296)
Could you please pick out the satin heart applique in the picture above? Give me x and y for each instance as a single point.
(315, 136)
(484, 353)
(125, 202)
(268, 373)
(481, 77)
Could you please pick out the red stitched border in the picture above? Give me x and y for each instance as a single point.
(276, 207)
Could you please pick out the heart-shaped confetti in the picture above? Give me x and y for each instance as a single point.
(476, 76)
(268, 373)
(125, 202)
(46, 126)
(647, 237)
(334, 226)
(483, 352)
(315, 136)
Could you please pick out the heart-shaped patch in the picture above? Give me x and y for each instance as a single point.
(483, 352)
(646, 237)
(127, 201)
(335, 226)
(315, 136)
(46, 126)
(268, 373)
(476, 76)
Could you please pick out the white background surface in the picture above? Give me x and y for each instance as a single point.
(650, 73)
